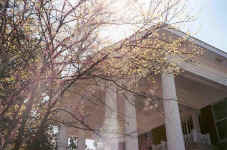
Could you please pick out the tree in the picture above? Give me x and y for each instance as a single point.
(43, 50)
(49, 46)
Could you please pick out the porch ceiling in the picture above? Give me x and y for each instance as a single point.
(197, 92)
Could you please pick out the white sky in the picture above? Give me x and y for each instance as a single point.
(209, 26)
(212, 22)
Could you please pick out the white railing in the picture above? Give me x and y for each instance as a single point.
(193, 137)
(200, 138)
(162, 146)
(188, 139)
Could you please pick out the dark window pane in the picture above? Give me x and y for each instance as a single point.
(222, 129)
(220, 109)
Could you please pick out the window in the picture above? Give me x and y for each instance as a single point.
(220, 117)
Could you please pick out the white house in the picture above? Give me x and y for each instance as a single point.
(192, 113)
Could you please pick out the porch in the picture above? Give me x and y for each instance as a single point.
(132, 121)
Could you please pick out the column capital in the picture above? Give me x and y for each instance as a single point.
(168, 87)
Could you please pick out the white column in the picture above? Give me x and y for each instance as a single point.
(131, 141)
(62, 139)
(196, 126)
(175, 140)
(81, 143)
(110, 133)
(195, 120)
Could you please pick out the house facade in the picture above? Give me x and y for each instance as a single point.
(191, 114)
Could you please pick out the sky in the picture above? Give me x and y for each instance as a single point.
(211, 22)
(209, 26)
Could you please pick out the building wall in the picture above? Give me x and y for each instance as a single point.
(145, 141)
